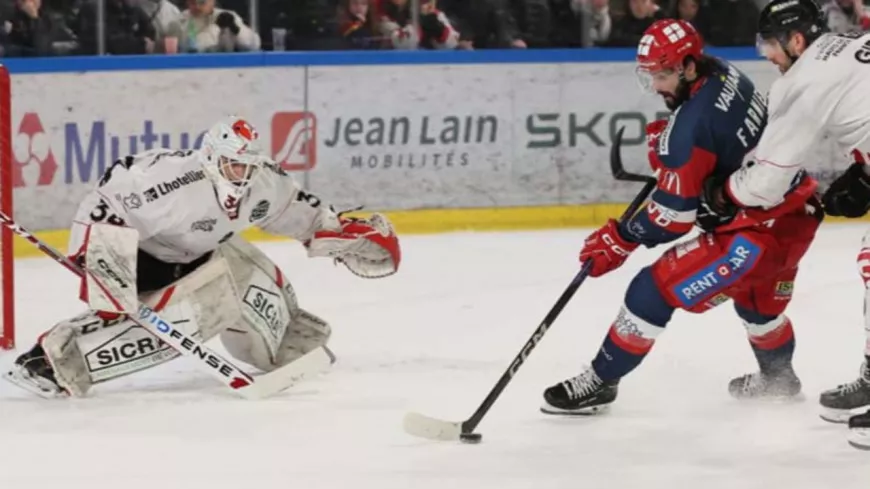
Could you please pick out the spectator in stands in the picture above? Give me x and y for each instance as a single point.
(32, 30)
(566, 21)
(579, 23)
(483, 24)
(597, 24)
(241, 7)
(846, 15)
(205, 28)
(628, 30)
(308, 24)
(434, 32)
(128, 29)
(534, 21)
(733, 22)
(694, 12)
(357, 25)
(165, 18)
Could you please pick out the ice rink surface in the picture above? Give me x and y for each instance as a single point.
(434, 338)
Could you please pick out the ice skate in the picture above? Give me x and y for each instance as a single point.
(32, 372)
(783, 384)
(584, 394)
(839, 402)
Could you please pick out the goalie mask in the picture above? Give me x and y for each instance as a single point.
(232, 161)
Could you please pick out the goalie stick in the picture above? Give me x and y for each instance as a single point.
(205, 358)
(436, 429)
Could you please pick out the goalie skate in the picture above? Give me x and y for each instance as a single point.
(839, 402)
(583, 395)
(32, 372)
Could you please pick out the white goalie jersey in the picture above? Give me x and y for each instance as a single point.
(824, 94)
(167, 197)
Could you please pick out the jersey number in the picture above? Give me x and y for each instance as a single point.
(310, 199)
(660, 216)
(101, 213)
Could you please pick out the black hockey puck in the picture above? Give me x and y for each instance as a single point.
(470, 437)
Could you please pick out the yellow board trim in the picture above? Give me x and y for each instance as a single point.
(429, 221)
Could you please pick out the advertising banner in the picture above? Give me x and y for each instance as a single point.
(67, 128)
(387, 137)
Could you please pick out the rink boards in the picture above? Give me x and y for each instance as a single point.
(443, 141)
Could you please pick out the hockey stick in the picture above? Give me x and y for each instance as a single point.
(618, 170)
(427, 427)
(206, 359)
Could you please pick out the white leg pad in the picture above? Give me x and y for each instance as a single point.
(304, 333)
(275, 331)
(63, 352)
(86, 350)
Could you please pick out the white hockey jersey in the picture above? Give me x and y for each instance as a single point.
(825, 93)
(166, 196)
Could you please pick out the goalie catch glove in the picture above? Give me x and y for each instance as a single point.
(849, 194)
(369, 248)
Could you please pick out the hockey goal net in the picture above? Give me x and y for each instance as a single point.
(7, 303)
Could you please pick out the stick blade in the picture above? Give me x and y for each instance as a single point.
(276, 381)
(424, 426)
(617, 168)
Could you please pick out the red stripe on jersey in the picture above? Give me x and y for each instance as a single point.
(687, 180)
(636, 345)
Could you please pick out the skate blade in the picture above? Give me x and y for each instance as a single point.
(778, 399)
(28, 384)
(586, 411)
(838, 416)
(860, 438)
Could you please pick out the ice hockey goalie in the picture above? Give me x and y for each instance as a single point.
(162, 227)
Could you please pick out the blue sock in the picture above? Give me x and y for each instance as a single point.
(632, 335)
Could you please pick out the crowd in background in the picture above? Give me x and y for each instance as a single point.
(71, 27)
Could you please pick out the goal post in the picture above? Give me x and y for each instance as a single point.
(7, 269)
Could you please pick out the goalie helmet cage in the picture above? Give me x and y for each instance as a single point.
(7, 299)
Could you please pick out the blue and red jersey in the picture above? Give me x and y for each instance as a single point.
(710, 134)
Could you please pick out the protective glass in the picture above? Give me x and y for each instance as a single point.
(647, 80)
(767, 47)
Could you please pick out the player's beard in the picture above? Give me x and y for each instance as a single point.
(675, 100)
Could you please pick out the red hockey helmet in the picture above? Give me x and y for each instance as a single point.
(665, 45)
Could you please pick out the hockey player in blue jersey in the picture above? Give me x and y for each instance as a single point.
(751, 259)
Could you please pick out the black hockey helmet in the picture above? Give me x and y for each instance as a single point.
(780, 18)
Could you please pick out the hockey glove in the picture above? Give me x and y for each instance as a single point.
(431, 26)
(227, 20)
(849, 194)
(716, 204)
(606, 249)
(711, 216)
(108, 257)
(367, 247)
